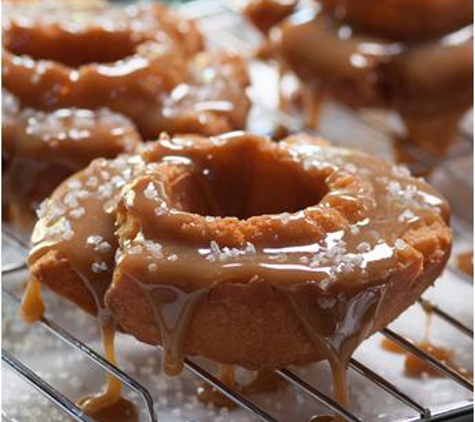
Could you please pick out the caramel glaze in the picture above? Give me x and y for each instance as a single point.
(32, 308)
(406, 155)
(360, 70)
(265, 14)
(109, 406)
(265, 382)
(392, 347)
(465, 262)
(142, 61)
(122, 410)
(417, 368)
(219, 236)
(92, 268)
(41, 149)
(405, 20)
(414, 367)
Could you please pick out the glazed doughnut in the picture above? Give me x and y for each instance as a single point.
(362, 69)
(140, 61)
(319, 57)
(41, 149)
(243, 250)
(407, 20)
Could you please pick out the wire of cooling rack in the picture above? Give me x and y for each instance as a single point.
(44, 388)
(421, 155)
(424, 412)
(205, 375)
(72, 341)
(446, 317)
(428, 358)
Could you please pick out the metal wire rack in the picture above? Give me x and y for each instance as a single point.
(211, 14)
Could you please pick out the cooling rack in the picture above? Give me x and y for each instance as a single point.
(225, 28)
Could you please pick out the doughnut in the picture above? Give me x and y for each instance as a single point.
(368, 69)
(326, 60)
(41, 149)
(143, 61)
(403, 20)
(243, 250)
(365, 71)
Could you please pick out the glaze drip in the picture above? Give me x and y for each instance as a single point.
(264, 381)
(95, 404)
(102, 406)
(417, 368)
(465, 262)
(337, 344)
(173, 311)
(32, 307)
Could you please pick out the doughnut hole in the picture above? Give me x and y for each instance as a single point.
(244, 180)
